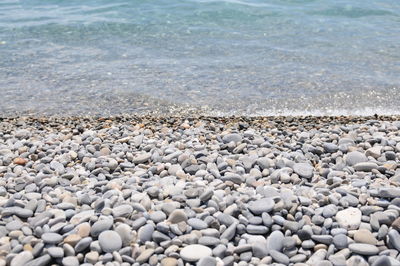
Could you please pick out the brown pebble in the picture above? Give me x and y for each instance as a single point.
(72, 239)
(20, 161)
(396, 224)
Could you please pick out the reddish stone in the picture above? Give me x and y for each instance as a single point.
(20, 161)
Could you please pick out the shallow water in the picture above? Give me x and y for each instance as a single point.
(214, 57)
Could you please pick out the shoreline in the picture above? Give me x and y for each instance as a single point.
(202, 190)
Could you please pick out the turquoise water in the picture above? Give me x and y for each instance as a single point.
(216, 57)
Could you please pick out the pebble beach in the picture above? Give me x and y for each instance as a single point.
(204, 191)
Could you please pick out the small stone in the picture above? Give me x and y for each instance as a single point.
(303, 170)
(207, 261)
(110, 241)
(263, 205)
(56, 252)
(349, 218)
(52, 238)
(355, 157)
(72, 239)
(279, 257)
(177, 216)
(20, 161)
(340, 241)
(232, 137)
(145, 233)
(100, 226)
(364, 236)
(365, 166)
(145, 255)
(169, 262)
(70, 261)
(141, 158)
(122, 211)
(195, 252)
(197, 224)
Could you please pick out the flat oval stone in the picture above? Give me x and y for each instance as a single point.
(303, 170)
(100, 226)
(52, 238)
(177, 216)
(262, 205)
(110, 241)
(364, 249)
(195, 252)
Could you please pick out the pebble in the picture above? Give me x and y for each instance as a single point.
(364, 249)
(205, 191)
(349, 218)
(110, 241)
(52, 238)
(195, 252)
(263, 205)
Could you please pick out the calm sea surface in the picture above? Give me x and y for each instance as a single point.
(243, 57)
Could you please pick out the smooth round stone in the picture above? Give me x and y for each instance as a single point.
(209, 241)
(21, 258)
(125, 232)
(70, 261)
(195, 252)
(158, 216)
(110, 241)
(122, 210)
(197, 224)
(177, 216)
(169, 261)
(364, 249)
(279, 257)
(14, 225)
(275, 241)
(349, 218)
(56, 252)
(303, 170)
(262, 205)
(234, 137)
(329, 211)
(145, 255)
(355, 157)
(52, 238)
(207, 261)
(145, 233)
(340, 241)
(100, 226)
(83, 244)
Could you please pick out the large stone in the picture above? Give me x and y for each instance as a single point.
(110, 241)
(177, 216)
(21, 259)
(195, 252)
(364, 249)
(275, 241)
(365, 236)
(349, 218)
(303, 170)
(355, 157)
(262, 205)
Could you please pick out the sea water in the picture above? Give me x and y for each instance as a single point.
(217, 57)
